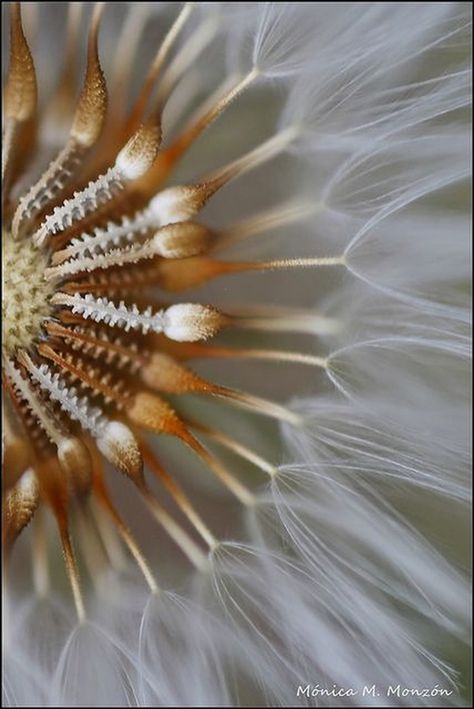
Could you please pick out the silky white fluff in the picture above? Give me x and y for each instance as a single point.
(346, 572)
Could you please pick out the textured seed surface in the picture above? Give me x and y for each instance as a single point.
(26, 294)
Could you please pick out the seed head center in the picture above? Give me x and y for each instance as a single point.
(26, 293)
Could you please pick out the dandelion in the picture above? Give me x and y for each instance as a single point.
(235, 354)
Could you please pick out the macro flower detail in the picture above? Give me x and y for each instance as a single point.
(234, 351)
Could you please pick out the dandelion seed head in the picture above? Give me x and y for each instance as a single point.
(235, 344)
